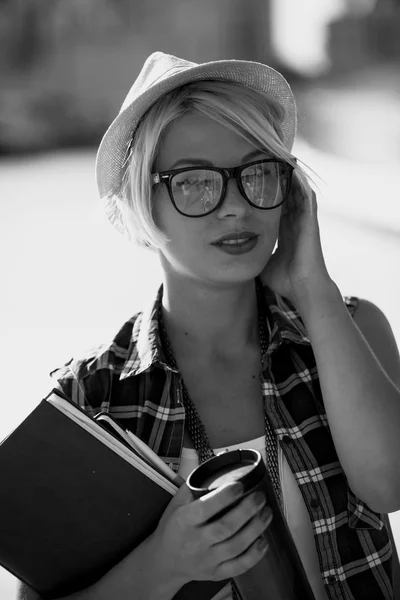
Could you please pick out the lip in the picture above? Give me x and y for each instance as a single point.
(235, 235)
(240, 248)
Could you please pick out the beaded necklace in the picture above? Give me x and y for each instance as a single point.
(194, 424)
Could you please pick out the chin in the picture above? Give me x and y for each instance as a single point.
(216, 270)
(242, 268)
(237, 274)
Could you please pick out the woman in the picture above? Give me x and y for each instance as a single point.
(253, 342)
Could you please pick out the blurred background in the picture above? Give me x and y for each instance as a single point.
(68, 279)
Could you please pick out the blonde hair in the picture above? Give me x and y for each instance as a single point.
(252, 114)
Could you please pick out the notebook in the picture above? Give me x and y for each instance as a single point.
(77, 495)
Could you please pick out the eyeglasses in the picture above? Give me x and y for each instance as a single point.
(199, 191)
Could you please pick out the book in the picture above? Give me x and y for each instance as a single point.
(78, 494)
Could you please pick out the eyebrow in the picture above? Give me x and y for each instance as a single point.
(207, 163)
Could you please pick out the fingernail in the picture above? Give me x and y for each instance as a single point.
(266, 515)
(262, 543)
(259, 498)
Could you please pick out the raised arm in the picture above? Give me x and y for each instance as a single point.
(359, 370)
(357, 359)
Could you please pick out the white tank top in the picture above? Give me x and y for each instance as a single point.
(294, 509)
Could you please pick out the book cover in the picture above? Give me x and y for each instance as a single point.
(75, 500)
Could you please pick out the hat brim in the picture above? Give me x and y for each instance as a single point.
(112, 152)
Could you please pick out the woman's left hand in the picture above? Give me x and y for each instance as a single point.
(298, 263)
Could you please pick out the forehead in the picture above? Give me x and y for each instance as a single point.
(196, 136)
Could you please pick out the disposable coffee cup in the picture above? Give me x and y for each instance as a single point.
(279, 575)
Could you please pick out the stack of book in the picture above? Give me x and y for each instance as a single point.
(78, 494)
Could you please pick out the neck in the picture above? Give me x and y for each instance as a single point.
(209, 319)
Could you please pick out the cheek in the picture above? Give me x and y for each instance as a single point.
(158, 208)
(270, 224)
(167, 218)
(181, 231)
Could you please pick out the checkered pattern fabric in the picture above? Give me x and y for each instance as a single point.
(130, 378)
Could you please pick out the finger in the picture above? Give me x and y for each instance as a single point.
(237, 517)
(237, 544)
(245, 561)
(295, 201)
(179, 481)
(305, 189)
(206, 507)
(183, 496)
(313, 203)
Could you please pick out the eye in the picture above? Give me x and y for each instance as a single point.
(189, 181)
(184, 182)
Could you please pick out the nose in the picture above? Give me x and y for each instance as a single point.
(234, 205)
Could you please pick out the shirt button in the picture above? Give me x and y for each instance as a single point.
(286, 439)
(332, 579)
(314, 503)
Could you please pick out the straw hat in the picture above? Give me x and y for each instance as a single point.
(160, 74)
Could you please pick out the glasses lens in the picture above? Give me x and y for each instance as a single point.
(196, 191)
(265, 184)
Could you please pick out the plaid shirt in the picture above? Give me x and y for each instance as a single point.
(131, 379)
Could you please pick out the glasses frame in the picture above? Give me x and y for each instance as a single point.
(227, 174)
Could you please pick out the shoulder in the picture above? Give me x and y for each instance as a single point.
(376, 329)
(111, 355)
(87, 379)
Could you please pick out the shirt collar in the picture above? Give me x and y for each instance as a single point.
(283, 321)
(284, 324)
(145, 349)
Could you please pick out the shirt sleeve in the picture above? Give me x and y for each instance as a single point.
(352, 304)
(89, 390)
